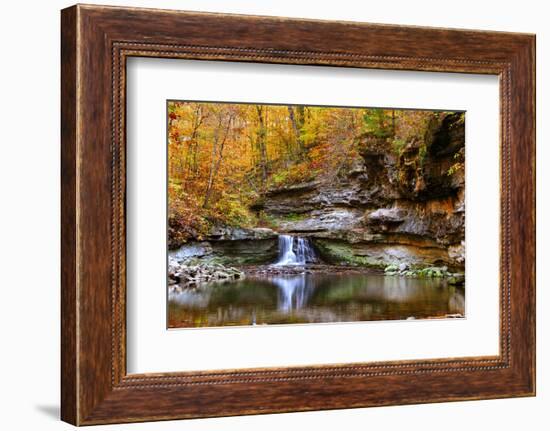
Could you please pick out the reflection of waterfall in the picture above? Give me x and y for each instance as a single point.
(295, 251)
(294, 292)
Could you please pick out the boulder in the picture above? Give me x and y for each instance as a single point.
(191, 250)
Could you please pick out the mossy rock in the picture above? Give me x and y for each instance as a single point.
(456, 279)
(341, 253)
(391, 268)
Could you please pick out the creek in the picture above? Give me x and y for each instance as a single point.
(298, 289)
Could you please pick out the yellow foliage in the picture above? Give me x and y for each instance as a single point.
(222, 157)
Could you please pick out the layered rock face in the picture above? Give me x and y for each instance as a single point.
(392, 206)
(405, 206)
(235, 246)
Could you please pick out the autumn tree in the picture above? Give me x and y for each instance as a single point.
(224, 157)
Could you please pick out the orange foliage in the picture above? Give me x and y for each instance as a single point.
(222, 157)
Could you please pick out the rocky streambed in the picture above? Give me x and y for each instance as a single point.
(182, 275)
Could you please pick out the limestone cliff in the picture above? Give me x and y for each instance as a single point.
(393, 206)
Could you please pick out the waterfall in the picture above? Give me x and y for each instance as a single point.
(305, 252)
(295, 251)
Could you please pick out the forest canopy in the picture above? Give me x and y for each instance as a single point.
(224, 157)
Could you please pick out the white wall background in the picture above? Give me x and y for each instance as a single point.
(29, 215)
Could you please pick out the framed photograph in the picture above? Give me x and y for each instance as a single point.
(322, 214)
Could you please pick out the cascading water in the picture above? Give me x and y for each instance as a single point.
(305, 252)
(295, 251)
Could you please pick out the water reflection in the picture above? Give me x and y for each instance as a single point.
(294, 292)
(313, 297)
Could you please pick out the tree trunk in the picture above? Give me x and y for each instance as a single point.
(217, 156)
(261, 144)
(191, 167)
(294, 128)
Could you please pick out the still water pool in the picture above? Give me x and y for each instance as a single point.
(313, 298)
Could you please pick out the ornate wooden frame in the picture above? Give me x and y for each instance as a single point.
(95, 42)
